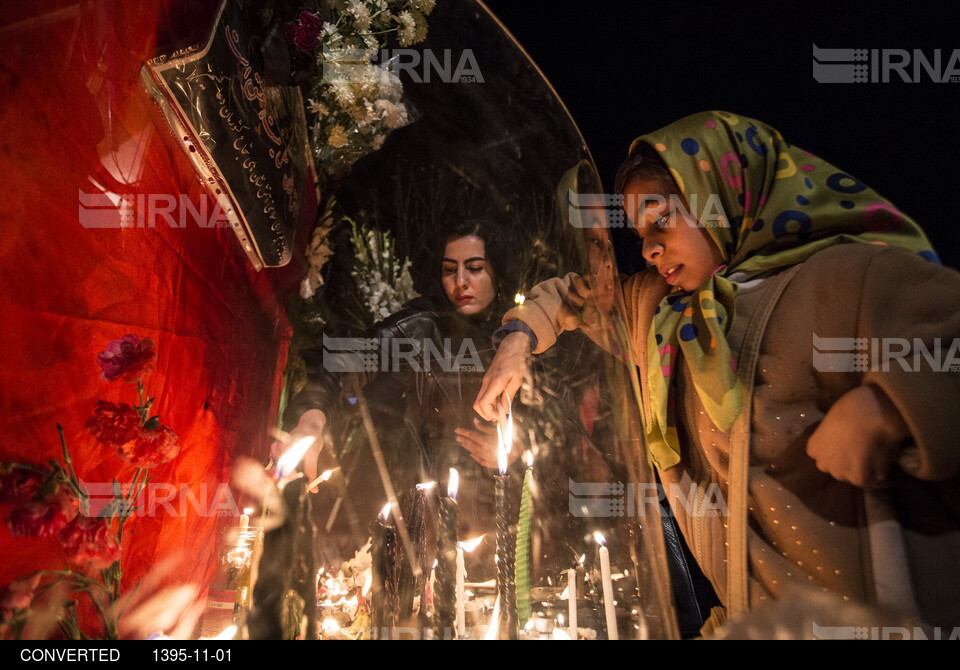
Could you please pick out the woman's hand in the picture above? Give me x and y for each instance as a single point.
(505, 374)
(860, 438)
(482, 444)
(311, 424)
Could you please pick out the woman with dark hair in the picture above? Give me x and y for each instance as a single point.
(430, 358)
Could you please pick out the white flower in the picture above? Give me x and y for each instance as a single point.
(343, 94)
(390, 85)
(407, 32)
(360, 14)
(331, 36)
(420, 21)
(337, 137)
(394, 115)
(318, 108)
(425, 6)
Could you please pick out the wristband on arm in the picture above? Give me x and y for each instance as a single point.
(514, 326)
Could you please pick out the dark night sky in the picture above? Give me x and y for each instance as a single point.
(625, 68)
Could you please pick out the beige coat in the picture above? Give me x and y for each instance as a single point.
(806, 528)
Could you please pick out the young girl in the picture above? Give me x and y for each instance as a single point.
(778, 291)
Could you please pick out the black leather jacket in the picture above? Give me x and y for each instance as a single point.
(416, 401)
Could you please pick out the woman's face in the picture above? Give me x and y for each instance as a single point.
(673, 241)
(600, 254)
(467, 276)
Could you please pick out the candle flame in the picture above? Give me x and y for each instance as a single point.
(528, 458)
(426, 486)
(519, 298)
(367, 582)
(560, 620)
(227, 633)
(326, 475)
(453, 484)
(470, 545)
(291, 457)
(248, 511)
(501, 451)
(385, 513)
(493, 630)
(600, 539)
(583, 557)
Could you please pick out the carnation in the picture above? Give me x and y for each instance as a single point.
(150, 447)
(42, 518)
(17, 595)
(89, 542)
(128, 357)
(21, 484)
(113, 424)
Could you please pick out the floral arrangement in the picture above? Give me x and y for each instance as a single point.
(353, 102)
(383, 278)
(49, 500)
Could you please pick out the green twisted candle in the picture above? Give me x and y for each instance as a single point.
(524, 609)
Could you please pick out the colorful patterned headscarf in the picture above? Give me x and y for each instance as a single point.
(778, 205)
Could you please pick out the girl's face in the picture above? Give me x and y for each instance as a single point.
(673, 241)
(467, 276)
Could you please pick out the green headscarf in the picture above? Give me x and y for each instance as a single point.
(766, 204)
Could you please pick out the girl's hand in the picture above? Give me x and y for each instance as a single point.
(482, 444)
(505, 375)
(860, 438)
(310, 424)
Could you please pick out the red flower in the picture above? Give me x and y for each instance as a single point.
(112, 423)
(129, 357)
(17, 595)
(21, 485)
(88, 541)
(305, 33)
(43, 518)
(150, 447)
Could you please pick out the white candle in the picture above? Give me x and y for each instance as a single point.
(244, 520)
(572, 602)
(608, 608)
(461, 594)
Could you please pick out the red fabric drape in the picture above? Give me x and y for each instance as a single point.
(73, 116)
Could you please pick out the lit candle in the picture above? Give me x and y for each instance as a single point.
(383, 539)
(463, 547)
(461, 592)
(608, 607)
(524, 610)
(572, 602)
(444, 598)
(245, 518)
(506, 541)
